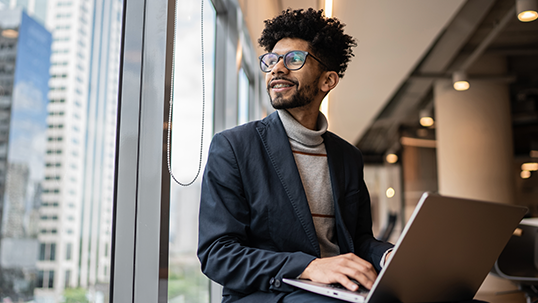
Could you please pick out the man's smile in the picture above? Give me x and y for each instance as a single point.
(280, 85)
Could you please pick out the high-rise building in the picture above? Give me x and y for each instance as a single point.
(24, 64)
(17, 178)
(100, 144)
(69, 210)
(81, 142)
(62, 194)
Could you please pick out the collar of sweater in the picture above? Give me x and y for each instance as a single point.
(297, 132)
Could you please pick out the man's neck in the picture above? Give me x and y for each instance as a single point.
(306, 115)
(307, 119)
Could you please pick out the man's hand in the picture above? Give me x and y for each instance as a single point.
(341, 269)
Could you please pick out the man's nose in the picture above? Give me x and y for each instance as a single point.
(279, 67)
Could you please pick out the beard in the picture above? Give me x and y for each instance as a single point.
(302, 96)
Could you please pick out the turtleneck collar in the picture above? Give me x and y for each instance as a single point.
(297, 132)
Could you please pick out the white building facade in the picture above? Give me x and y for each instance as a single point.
(74, 225)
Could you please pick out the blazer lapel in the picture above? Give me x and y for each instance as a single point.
(275, 142)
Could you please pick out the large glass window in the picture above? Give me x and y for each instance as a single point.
(243, 92)
(186, 283)
(58, 105)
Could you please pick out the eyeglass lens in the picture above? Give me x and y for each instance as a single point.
(293, 60)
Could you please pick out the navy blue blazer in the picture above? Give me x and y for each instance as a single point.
(255, 226)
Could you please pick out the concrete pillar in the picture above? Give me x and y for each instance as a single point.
(475, 150)
(474, 138)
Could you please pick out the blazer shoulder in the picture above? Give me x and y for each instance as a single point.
(248, 129)
(334, 139)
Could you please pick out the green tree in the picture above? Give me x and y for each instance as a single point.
(75, 295)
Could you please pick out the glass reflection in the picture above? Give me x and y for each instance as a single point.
(59, 70)
(186, 282)
(243, 97)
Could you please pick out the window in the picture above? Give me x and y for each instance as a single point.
(63, 63)
(63, 4)
(67, 278)
(182, 264)
(40, 278)
(42, 248)
(243, 97)
(53, 250)
(47, 251)
(51, 279)
(184, 161)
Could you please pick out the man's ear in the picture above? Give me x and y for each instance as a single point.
(329, 80)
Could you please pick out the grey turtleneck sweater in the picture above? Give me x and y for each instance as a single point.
(311, 159)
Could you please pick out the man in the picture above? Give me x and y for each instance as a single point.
(283, 197)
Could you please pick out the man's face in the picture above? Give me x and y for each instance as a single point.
(290, 89)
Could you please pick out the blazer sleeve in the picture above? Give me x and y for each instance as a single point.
(223, 243)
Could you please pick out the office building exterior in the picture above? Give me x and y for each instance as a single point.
(81, 143)
(69, 210)
(60, 226)
(24, 64)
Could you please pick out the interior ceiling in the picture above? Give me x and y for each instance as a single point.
(516, 41)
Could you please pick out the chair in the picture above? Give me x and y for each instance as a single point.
(389, 227)
(518, 261)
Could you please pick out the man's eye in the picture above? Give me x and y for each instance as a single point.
(296, 60)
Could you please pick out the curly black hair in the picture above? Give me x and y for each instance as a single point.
(325, 36)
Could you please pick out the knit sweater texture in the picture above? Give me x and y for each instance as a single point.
(311, 158)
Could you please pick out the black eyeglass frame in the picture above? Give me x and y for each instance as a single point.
(285, 64)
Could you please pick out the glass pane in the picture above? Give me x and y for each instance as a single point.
(59, 71)
(186, 282)
(244, 87)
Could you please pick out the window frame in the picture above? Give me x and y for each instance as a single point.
(139, 251)
(138, 179)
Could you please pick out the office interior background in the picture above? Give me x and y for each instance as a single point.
(101, 111)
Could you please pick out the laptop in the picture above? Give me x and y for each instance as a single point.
(444, 253)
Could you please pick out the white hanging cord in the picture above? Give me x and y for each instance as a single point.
(203, 107)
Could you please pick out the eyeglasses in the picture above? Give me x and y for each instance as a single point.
(293, 60)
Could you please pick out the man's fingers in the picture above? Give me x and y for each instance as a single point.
(341, 269)
(347, 283)
(360, 270)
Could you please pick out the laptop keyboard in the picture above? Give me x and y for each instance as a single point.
(361, 289)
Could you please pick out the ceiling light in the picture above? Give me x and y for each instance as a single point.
(527, 10)
(525, 174)
(426, 119)
(10, 33)
(391, 158)
(390, 192)
(460, 81)
(530, 166)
